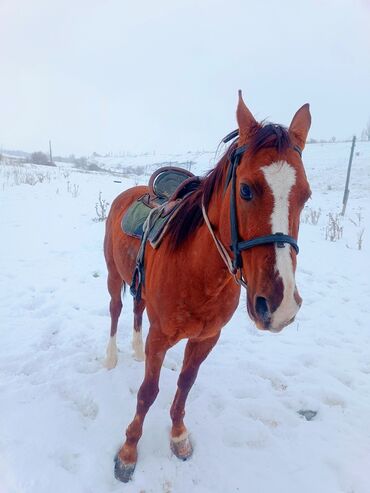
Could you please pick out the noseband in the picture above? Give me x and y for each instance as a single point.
(235, 264)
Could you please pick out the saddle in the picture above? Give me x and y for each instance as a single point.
(167, 188)
(149, 216)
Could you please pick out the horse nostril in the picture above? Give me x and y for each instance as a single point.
(262, 308)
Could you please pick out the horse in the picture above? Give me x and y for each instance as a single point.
(239, 228)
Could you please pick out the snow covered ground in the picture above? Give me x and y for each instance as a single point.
(62, 415)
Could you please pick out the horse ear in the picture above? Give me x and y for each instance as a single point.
(245, 119)
(301, 125)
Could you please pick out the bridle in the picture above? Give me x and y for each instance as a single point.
(235, 263)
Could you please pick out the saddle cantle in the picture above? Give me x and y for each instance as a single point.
(166, 181)
(167, 187)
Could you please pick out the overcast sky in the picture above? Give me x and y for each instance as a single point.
(163, 75)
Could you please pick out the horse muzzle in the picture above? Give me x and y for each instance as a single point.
(276, 320)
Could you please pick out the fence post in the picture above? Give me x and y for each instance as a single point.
(346, 189)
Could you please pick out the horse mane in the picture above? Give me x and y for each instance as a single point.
(189, 216)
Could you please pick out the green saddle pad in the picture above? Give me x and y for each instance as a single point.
(136, 215)
(134, 219)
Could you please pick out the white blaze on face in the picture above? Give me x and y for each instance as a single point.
(281, 177)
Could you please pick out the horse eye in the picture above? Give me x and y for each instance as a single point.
(245, 192)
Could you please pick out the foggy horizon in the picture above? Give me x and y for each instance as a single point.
(117, 77)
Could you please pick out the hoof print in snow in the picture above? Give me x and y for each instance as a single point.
(307, 413)
(123, 472)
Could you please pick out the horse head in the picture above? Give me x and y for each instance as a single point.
(270, 189)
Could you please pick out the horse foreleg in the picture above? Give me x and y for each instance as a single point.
(115, 284)
(137, 338)
(195, 353)
(126, 458)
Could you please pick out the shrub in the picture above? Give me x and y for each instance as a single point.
(360, 229)
(311, 216)
(101, 209)
(334, 229)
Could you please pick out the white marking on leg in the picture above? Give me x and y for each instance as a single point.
(281, 178)
(112, 358)
(180, 438)
(137, 345)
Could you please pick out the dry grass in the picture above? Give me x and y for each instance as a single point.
(311, 216)
(14, 174)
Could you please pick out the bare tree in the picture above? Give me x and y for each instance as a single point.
(39, 158)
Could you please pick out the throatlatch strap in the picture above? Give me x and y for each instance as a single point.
(221, 249)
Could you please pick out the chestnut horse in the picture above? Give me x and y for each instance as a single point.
(239, 228)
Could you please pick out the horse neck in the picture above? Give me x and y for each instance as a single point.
(205, 265)
(203, 242)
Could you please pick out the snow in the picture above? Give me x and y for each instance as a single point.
(63, 415)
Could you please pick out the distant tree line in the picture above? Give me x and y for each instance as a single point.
(365, 136)
(332, 140)
(80, 162)
(39, 157)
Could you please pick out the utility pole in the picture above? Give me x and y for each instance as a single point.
(346, 189)
(51, 155)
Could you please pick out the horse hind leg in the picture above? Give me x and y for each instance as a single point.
(115, 285)
(137, 338)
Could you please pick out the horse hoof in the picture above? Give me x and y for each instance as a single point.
(123, 472)
(182, 449)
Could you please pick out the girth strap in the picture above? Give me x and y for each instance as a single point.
(138, 277)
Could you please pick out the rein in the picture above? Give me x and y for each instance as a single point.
(235, 263)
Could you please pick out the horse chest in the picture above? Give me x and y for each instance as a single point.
(206, 315)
